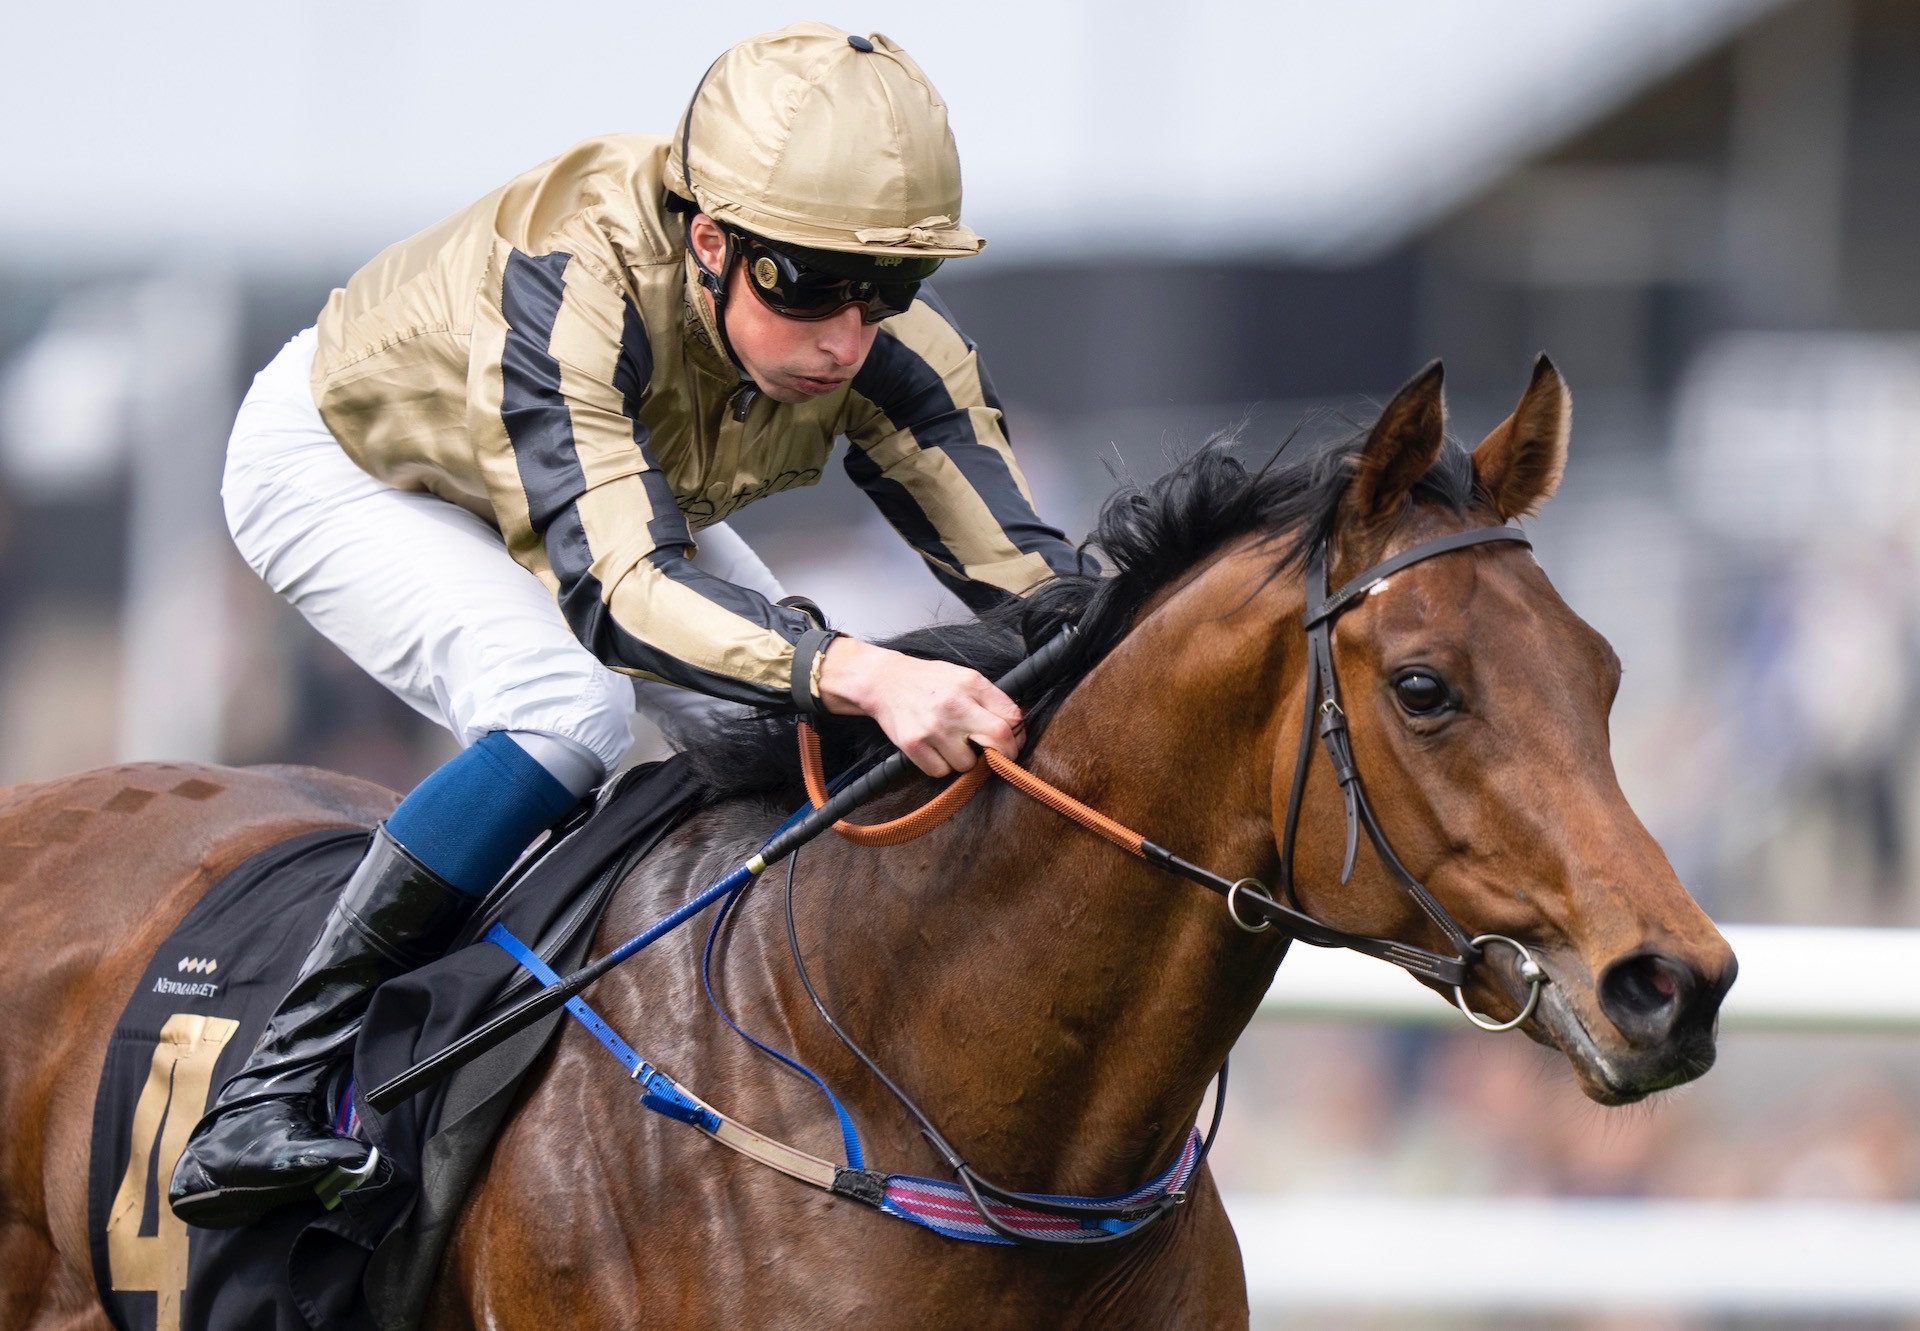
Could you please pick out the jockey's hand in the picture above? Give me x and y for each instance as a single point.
(929, 709)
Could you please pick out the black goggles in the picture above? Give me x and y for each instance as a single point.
(804, 285)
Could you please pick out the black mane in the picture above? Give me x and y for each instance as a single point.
(1146, 534)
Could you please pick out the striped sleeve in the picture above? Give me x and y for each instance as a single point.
(930, 450)
(559, 369)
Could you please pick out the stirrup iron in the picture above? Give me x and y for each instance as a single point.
(343, 1180)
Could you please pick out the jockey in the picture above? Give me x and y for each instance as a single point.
(482, 473)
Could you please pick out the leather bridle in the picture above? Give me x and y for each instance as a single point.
(1324, 715)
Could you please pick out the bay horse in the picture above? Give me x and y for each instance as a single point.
(1057, 1007)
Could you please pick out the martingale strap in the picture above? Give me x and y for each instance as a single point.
(849, 1134)
(935, 1204)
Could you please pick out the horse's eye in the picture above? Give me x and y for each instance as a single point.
(1421, 693)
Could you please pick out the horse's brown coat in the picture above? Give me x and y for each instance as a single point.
(1058, 1007)
(96, 870)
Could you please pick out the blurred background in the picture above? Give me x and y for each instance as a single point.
(1205, 216)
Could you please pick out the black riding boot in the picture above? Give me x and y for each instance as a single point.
(267, 1140)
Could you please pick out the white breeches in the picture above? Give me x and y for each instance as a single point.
(422, 595)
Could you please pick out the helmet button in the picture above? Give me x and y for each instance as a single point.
(860, 44)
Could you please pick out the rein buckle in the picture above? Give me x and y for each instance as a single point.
(1233, 912)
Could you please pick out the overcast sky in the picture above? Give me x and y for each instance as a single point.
(312, 134)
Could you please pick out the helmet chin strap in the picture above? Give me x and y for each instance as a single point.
(716, 286)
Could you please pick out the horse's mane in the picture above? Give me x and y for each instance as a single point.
(1147, 535)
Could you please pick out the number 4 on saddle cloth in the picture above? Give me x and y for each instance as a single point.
(201, 1004)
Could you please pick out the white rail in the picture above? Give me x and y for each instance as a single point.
(1827, 981)
(1308, 1254)
(1523, 1255)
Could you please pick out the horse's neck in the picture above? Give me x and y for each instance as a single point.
(1061, 1004)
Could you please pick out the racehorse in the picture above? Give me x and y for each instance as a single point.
(1057, 1007)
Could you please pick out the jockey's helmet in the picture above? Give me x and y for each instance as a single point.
(824, 143)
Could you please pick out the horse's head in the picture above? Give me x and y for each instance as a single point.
(1477, 703)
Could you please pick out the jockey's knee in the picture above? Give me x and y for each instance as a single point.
(567, 761)
(568, 712)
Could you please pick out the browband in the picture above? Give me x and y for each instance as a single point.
(1386, 568)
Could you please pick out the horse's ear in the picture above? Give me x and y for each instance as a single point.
(1520, 464)
(1401, 448)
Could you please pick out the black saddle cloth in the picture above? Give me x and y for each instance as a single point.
(201, 1004)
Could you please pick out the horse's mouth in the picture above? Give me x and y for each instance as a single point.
(1598, 1076)
(1613, 1076)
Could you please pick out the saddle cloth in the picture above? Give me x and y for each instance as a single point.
(202, 1002)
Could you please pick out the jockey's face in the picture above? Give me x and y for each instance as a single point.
(790, 360)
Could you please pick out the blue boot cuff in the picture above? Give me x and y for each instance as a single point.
(471, 818)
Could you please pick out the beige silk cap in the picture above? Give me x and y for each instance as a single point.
(817, 138)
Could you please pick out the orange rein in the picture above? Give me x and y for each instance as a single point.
(949, 801)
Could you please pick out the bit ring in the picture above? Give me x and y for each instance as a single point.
(1530, 970)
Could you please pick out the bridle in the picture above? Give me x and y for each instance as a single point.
(1323, 714)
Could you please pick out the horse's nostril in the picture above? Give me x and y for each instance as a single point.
(1646, 995)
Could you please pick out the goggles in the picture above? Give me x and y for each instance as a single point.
(804, 285)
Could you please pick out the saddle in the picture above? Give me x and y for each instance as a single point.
(207, 992)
